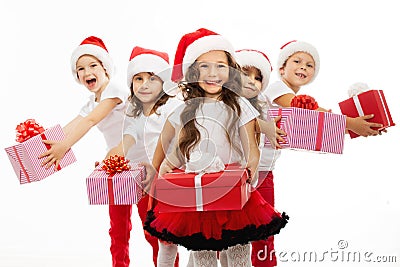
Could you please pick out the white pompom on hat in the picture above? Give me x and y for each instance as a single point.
(148, 60)
(255, 58)
(295, 46)
(194, 44)
(93, 46)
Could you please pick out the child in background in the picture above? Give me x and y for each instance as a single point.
(298, 65)
(209, 126)
(92, 67)
(257, 69)
(149, 106)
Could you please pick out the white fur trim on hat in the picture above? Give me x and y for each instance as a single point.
(93, 50)
(248, 57)
(155, 64)
(203, 45)
(299, 46)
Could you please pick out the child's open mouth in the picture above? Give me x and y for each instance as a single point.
(91, 82)
(301, 75)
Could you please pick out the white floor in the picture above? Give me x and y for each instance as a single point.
(333, 200)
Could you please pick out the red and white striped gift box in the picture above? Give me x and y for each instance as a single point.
(120, 188)
(24, 156)
(310, 129)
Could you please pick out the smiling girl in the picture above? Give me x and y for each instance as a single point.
(214, 125)
(148, 108)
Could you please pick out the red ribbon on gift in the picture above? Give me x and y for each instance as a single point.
(304, 101)
(116, 164)
(111, 166)
(28, 129)
(318, 142)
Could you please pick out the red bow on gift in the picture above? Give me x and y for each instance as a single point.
(304, 101)
(28, 129)
(116, 164)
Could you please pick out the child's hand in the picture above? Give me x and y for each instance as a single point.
(252, 167)
(362, 127)
(165, 167)
(150, 173)
(54, 154)
(275, 134)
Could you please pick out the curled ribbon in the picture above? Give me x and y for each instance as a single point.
(115, 164)
(304, 101)
(28, 129)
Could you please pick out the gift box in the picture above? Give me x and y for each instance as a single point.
(365, 103)
(118, 188)
(310, 129)
(181, 192)
(24, 156)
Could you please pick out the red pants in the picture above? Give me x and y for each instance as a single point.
(263, 253)
(121, 226)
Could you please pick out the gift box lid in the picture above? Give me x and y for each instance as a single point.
(231, 176)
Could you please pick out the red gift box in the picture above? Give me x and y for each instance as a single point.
(310, 129)
(181, 192)
(119, 188)
(24, 156)
(369, 102)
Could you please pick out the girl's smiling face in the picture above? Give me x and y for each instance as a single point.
(147, 87)
(298, 70)
(213, 72)
(91, 73)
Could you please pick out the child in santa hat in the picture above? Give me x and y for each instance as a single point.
(211, 124)
(298, 65)
(93, 67)
(150, 102)
(257, 70)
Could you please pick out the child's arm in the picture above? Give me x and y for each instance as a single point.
(164, 141)
(273, 133)
(359, 125)
(71, 125)
(250, 148)
(59, 148)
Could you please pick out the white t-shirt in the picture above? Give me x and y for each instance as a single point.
(269, 155)
(146, 130)
(111, 125)
(212, 119)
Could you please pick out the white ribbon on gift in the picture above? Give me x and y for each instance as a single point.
(384, 107)
(358, 105)
(201, 161)
(199, 191)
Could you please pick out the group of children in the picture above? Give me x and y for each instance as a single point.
(209, 107)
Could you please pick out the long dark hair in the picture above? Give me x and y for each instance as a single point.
(136, 106)
(194, 95)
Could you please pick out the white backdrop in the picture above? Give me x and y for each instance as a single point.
(333, 200)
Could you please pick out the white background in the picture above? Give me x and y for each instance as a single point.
(352, 197)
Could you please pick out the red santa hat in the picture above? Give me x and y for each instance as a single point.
(194, 44)
(255, 58)
(295, 46)
(93, 46)
(148, 60)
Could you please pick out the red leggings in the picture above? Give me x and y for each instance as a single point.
(263, 253)
(121, 226)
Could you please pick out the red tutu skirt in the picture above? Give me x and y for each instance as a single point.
(217, 230)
